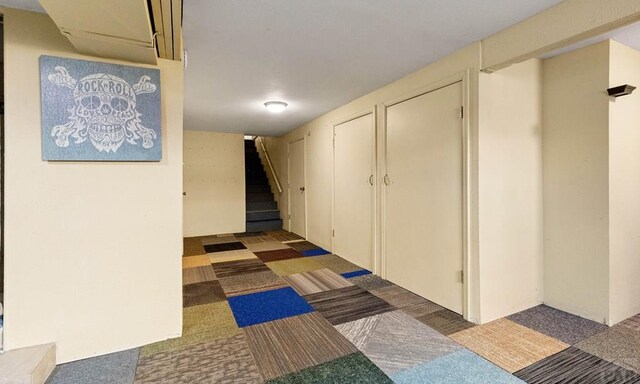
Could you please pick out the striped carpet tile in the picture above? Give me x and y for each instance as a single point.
(239, 267)
(288, 345)
(422, 309)
(302, 245)
(398, 296)
(347, 304)
(445, 322)
(283, 235)
(278, 255)
(576, 366)
(256, 239)
(197, 275)
(251, 283)
(316, 281)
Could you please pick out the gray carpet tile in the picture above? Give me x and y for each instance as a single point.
(395, 341)
(114, 368)
(619, 345)
(223, 361)
(370, 282)
(563, 326)
(576, 366)
(632, 323)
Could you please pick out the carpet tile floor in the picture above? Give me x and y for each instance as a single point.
(272, 307)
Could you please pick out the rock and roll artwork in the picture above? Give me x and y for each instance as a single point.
(95, 111)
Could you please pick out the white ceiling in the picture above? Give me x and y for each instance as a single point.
(318, 55)
(28, 5)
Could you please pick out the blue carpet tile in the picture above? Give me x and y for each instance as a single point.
(315, 252)
(361, 272)
(266, 306)
(462, 367)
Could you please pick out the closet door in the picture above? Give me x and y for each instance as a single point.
(424, 196)
(354, 190)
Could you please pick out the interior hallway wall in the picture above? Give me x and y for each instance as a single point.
(214, 183)
(576, 182)
(624, 185)
(93, 249)
(510, 188)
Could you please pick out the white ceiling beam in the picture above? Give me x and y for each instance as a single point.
(567, 23)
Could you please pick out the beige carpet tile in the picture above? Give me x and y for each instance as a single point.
(316, 281)
(239, 267)
(223, 361)
(398, 296)
(278, 255)
(299, 265)
(251, 283)
(266, 246)
(198, 275)
(217, 239)
(202, 293)
(395, 341)
(618, 344)
(347, 304)
(632, 323)
(199, 323)
(192, 246)
(223, 257)
(195, 261)
(336, 263)
(509, 345)
(289, 345)
(283, 235)
(257, 239)
(421, 309)
(445, 321)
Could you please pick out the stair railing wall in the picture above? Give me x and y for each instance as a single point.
(271, 169)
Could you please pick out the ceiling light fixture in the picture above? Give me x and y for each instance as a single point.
(275, 106)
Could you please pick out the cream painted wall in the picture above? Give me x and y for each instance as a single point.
(576, 191)
(624, 185)
(510, 189)
(214, 182)
(320, 151)
(93, 250)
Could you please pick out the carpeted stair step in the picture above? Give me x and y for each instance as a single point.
(259, 226)
(258, 188)
(261, 206)
(259, 197)
(271, 214)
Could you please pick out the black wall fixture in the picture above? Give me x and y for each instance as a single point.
(621, 90)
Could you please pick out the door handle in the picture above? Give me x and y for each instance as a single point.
(302, 189)
(371, 179)
(387, 181)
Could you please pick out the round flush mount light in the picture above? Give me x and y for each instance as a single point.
(275, 106)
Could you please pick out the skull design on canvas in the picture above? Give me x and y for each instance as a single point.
(102, 110)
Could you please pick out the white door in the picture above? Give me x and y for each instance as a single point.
(424, 198)
(297, 214)
(354, 169)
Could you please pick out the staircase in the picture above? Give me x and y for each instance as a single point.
(262, 210)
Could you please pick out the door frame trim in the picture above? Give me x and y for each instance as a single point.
(467, 174)
(374, 228)
(304, 155)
